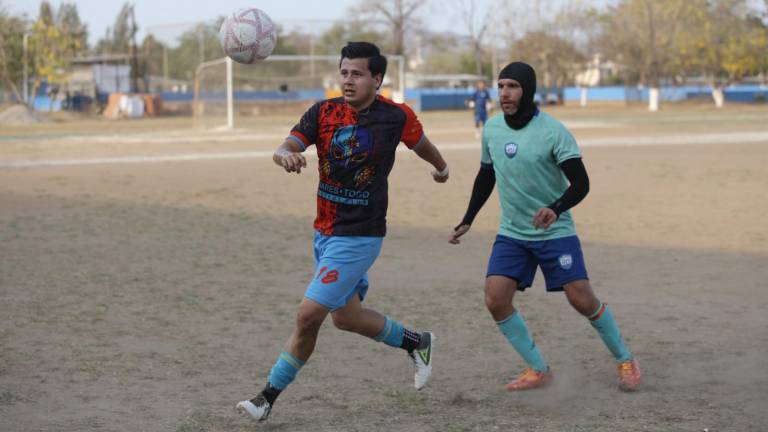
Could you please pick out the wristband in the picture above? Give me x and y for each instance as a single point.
(442, 173)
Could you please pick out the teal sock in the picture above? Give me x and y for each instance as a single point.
(284, 371)
(392, 333)
(516, 331)
(602, 320)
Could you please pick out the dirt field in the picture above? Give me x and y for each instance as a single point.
(150, 275)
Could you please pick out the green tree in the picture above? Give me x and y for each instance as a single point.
(45, 13)
(68, 22)
(51, 50)
(195, 46)
(117, 39)
(638, 34)
(12, 30)
(724, 41)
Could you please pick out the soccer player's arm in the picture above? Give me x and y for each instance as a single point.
(481, 190)
(576, 174)
(414, 138)
(289, 154)
(569, 159)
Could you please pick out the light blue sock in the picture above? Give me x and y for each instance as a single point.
(284, 371)
(392, 333)
(516, 331)
(602, 320)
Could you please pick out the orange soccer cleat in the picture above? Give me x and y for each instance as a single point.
(530, 379)
(629, 375)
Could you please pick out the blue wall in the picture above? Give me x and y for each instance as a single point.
(442, 99)
(745, 94)
(456, 99)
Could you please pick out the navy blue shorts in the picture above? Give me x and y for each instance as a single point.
(561, 261)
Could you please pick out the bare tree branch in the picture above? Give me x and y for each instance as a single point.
(399, 15)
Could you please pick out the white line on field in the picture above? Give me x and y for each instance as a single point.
(690, 139)
(134, 159)
(209, 136)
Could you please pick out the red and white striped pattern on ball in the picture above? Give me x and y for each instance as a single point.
(248, 35)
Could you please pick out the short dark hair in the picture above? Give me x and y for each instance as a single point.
(377, 63)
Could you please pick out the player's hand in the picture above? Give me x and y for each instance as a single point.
(544, 218)
(458, 232)
(441, 176)
(292, 161)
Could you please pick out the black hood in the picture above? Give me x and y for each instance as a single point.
(526, 76)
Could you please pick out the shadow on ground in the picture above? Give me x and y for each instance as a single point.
(121, 317)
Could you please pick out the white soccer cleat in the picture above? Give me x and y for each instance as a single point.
(422, 359)
(258, 408)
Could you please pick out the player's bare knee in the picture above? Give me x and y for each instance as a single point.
(308, 321)
(581, 297)
(497, 303)
(498, 297)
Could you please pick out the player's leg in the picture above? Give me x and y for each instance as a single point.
(367, 322)
(583, 299)
(337, 271)
(499, 293)
(297, 351)
(562, 263)
(510, 268)
(499, 296)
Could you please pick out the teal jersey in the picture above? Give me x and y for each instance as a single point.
(528, 175)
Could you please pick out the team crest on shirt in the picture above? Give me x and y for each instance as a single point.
(566, 261)
(510, 149)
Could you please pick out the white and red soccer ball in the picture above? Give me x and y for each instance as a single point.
(248, 35)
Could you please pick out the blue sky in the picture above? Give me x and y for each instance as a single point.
(156, 14)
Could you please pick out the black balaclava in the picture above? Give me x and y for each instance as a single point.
(526, 76)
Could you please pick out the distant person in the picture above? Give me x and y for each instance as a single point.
(356, 136)
(480, 100)
(537, 166)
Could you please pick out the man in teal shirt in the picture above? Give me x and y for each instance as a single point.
(537, 166)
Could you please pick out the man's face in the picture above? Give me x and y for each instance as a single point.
(357, 84)
(510, 94)
(481, 85)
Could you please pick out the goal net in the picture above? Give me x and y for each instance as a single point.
(226, 93)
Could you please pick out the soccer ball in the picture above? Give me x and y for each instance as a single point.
(248, 35)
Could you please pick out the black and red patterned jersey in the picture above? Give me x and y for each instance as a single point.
(356, 151)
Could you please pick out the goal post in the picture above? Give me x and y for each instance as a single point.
(225, 91)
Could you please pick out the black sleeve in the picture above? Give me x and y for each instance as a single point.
(576, 174)
(484, 183)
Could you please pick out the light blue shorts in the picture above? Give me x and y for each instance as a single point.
(341, 268)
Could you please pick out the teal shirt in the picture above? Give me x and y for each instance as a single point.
(528, 175)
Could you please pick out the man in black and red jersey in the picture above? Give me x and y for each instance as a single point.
(356, 137)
